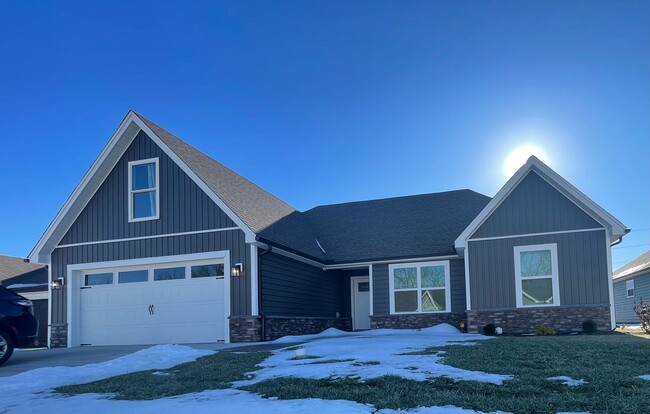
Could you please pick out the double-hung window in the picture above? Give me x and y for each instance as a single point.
(536, 275)
(629, 288)
(143, 190)
(419, 287)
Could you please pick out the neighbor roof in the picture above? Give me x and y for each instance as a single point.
(15, 273)
(637, 265)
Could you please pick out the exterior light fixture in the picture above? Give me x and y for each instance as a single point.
(58, 283)
(238, 270)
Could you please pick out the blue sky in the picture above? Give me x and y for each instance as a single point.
(331, 101)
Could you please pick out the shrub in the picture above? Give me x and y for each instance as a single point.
(544, 330)
(642, 310)
(489, 329)
(589, 326)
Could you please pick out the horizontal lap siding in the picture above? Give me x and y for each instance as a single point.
(183, 205)
(582, 267)
(232, 240)
(381, 293)
(292, 288)
(534, 206)
(625, 306)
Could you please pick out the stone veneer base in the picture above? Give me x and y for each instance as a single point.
(416, 321)
(59, 335)
(520, 321)
(249, 328)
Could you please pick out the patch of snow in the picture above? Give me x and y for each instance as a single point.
(448, 409)
(372, 354)
(25, 285)
(568, 380)
(645, 377)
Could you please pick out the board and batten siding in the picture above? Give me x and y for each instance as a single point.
(232, 240)
(582, 268)
(534, 206)
(381, 292)
(293, 288)
(623, 305)
(183, 205)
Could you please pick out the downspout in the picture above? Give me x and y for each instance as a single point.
(259, 291)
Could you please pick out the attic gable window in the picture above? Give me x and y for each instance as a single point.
(144, 196)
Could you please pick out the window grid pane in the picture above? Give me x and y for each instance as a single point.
(536, 263)
(405, 278)
(99, 279)
(406, 301)
(537, 291)
(133, 276)
(144, 204)
(143, 176)
(169, 273)
(208, 270)
(433, 276)
(434, 300)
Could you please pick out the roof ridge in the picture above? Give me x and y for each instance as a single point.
(396, 198)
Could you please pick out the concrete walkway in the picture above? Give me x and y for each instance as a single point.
(27, 359)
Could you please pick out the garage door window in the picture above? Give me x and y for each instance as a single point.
(208, 270)
(98, 279)
(170, 273)
(133, 276)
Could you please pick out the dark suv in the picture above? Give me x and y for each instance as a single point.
(18, 326)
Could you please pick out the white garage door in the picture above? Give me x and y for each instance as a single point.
(154, 304)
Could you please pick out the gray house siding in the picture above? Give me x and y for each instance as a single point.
(381, 292)
(534, 206)
(232, 240)
(183, 205)
(624, 305)
(292, 288)
(582, 267)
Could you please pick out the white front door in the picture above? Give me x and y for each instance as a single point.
(360, 302)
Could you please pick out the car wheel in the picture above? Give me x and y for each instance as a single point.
(6, 347)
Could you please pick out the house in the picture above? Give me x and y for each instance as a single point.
(30, 281)
(161, 243)
(631, 283)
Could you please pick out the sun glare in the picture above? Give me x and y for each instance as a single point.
(519, 156)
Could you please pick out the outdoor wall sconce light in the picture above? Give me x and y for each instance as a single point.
(58, 283)
(238, 270)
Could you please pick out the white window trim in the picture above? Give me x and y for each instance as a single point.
(419, 265)
(628, 288)
(132, 192)
(555, 279)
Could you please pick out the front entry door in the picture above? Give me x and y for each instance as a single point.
(360, 302)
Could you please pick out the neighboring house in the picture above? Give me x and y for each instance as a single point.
(161, 243)
(631, 283)
(29, 280)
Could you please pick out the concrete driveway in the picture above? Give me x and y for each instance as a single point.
(27, 359)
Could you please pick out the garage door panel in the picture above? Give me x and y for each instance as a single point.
(164, 311)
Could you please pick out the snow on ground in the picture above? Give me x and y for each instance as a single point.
(355, 355)
(568, 381)
(30, 392)
(645, 377)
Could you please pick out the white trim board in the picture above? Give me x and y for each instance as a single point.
(73, 286)
(615, 229)
(117, 145)
(548, 233)
(154, 236)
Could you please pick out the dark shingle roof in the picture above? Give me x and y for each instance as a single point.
(14, 271)
(635, 266)
(412, 226)
(256, 207)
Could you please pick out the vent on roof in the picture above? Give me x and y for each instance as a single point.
(320, 247)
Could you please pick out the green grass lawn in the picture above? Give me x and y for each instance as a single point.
(609, 363)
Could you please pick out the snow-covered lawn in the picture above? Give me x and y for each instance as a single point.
(370, 354)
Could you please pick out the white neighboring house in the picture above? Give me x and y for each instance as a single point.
(631, 283)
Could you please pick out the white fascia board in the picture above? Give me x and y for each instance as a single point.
(37, 253)
(614, 227)
(65, 217)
